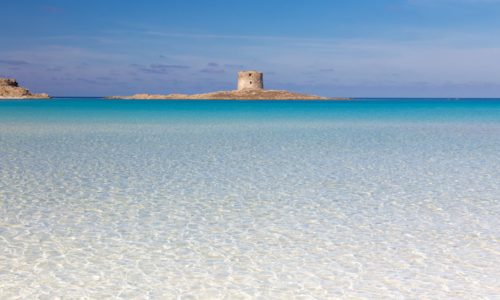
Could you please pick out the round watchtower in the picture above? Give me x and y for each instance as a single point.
(250, 80)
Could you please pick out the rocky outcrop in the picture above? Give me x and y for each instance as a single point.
(250, 87)
(246, 94)
(10, 89)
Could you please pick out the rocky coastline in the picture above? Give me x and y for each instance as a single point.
(229, 95)
(10, 89)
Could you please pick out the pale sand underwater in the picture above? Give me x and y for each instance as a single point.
(241, 201)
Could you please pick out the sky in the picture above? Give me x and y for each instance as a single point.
(345, 48)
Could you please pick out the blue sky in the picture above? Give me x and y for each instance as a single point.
(358, 48)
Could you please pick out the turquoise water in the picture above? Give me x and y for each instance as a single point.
(77, 110)
(274, 200)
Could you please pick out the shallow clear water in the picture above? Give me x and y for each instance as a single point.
(274, 200)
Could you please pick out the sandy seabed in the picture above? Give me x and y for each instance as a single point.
(242, 210)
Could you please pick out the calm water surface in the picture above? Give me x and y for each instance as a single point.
(240, 200)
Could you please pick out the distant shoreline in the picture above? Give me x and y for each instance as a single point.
(253, 94)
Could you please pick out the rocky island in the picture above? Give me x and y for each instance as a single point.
(250, 87)
(10, 89)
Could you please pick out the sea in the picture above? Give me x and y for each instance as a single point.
(360, 199)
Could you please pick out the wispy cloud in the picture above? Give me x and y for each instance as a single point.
(52, 9)
(213, 68)
(225, 36)
(452, 2)
(212, 71)
(159, 68)
(55, 69)
(13, 62)
(330, 66)
(235, 66)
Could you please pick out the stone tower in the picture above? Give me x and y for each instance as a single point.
(250, 80)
